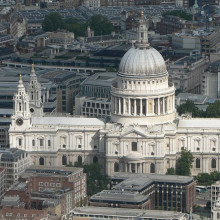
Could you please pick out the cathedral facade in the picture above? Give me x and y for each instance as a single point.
(145, 135)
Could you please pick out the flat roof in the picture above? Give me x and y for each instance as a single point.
(126, 212)
(120, 196)
(100, 79)
(202, 123)
(68, 121)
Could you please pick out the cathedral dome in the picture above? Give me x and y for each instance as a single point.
(142, 62)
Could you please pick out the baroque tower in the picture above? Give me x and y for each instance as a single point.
(21, 115)
(34, 91)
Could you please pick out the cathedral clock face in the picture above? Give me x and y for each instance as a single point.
(19, 121)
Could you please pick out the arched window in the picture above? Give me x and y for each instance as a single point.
(41, 161)
(213, 165)
(64, 160)
(197, 163)
(95, 159)
(152, 168)
(79, 159)
(116, 167)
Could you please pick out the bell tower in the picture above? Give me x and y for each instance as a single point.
(34, 91)
(21, 115)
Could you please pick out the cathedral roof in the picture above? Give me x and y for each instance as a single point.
(142, 60)
(68, 121)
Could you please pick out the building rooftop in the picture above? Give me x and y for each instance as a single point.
(137, 182)
(68, 121)
(100, 79)
(52, 171)
(120, 196)
(202, 123)
(11, 154)
(123, 212)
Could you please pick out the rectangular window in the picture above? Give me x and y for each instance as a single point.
(134, 146)
(49, 143)
(19, 142)
(41, 142)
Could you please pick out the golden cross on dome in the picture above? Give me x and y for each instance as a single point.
(32, 66)
(20, 77)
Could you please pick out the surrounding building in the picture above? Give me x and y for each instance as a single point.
(146, 191)
(14, 161)
(211, 80)
(54, 191)
(215, 193)
(143, 135)
(2, 182)
(68, 86)
(185, 73)
(216, 209)
(92, 3)
(89, 212)
(94, 99)
(170, 24)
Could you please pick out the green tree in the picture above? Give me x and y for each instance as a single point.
(52, 22)
(96, 181)
(184, 163)
(170, 171)
(213, 110)
(189, 106)
(100, 24)
(73, 25)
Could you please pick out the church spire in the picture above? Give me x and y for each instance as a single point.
(142, 32)
(34, 91)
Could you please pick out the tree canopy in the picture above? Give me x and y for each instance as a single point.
(171, 171)
(52, 22)
(184, 163)
(179, 13)
(96, 181)
(207, 179)
(99, 23)
(212, 111)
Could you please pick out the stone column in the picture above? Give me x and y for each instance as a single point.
(163, 105)
(129, 106)
(141, 108)
(135, 107)
(152, 106)
(124, 106)
(141, 168)
(126, 167)
(119, 105)
(135, 166)
(115, 100)
(158, 106)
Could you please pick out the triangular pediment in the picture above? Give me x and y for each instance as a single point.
(134, 133)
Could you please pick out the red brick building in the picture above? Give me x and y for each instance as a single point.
(55, 190)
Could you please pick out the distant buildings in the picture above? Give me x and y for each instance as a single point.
(68, 86)
(185, 73)
(211, 80)
(94, 99)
